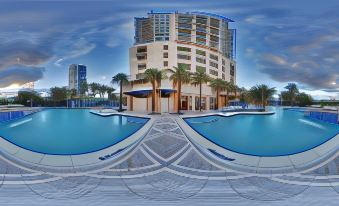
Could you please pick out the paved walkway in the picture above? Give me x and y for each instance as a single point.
(166, 169)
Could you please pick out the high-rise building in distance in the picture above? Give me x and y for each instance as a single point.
(77, 75)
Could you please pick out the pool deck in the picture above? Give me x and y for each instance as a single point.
(169, 166)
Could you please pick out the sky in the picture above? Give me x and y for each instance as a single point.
(277, 41)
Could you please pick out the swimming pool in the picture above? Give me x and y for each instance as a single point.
(69, 131)
(283, 133)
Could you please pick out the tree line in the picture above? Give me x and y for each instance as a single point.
(257, 95)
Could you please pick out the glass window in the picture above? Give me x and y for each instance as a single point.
(165, 54)
(213, 64)
(185, 49)
(203, 103)
(165, 63)
(200, 52)
(187, 66)
(200, 67)
(214, 57)
(183, 56)
(213, 72)
(213, 102)
(141, 66)
(165, 47)
(200, 60)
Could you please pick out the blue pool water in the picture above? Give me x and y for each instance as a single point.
(69, 131)
(284, 133)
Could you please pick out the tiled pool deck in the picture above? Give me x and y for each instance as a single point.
(167, 168)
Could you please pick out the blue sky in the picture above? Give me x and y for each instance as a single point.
(277, 41)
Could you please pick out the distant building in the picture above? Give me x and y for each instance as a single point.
(77, 75)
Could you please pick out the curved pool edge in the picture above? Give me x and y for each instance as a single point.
(302, 161)
(21, 155)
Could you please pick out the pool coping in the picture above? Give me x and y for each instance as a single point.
(17, 153)
(249, 163)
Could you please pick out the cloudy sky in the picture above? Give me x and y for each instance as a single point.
(277, 41)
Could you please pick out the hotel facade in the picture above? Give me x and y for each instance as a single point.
(167, 40)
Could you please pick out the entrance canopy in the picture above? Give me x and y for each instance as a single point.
(144, 93)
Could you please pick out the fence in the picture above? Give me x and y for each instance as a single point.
(73, 103)
(323, 116)
(12, 115)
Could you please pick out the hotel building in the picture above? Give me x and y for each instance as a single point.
(166, 40)
(77, 75)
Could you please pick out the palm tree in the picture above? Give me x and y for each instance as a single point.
(110, 91)
(235, 89)
(292, 92)
(83, 88)
(198, 78)
(94, 87)
(261, 93)
(70, 93)
(121, 79)
(154, 76)
(228, 87)
(102, 90)
(180, 75)
(218, 85)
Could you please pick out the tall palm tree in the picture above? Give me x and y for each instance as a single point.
(110, 91)
(292, 92)
(94, 87)
(261, 94)
(121, 79)
(198, 78)
(154, 76)
(102, 90)
(180, 75)
(228, 87)
(235, 89)
(218, 85)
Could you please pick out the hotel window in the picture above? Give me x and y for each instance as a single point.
(200, 52)
(142, 49)
(140, 76)
(186, 66)
(223, 62)
(165, 54)
(165, 63)
(183, 56)
(232, 70)
(213, 64)
(201, 20)
(200, 68)
(214, 57)
(223, 69)
(141, 66)
(165, 47)
(214, 38)
(213, 72)
(213, 103)
(184, 49)
(142, 56)
(184, 102)
(214, 31)
(223, 76)
(214, 22)
(200, 60)
(203, 103)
